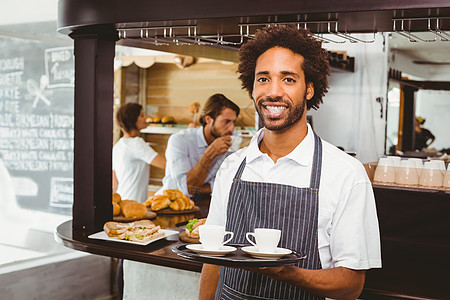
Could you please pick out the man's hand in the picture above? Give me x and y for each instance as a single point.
(336, 283)
(276, 273)
(219, 146)
(195, 178)
(208, 281)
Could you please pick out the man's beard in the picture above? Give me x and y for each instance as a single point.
(214, 132)
(295, 114)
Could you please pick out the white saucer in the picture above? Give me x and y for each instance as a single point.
(279, 252)
(198, 248)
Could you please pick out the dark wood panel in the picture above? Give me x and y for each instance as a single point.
(415, 245)
(158, 253)
(73, 14)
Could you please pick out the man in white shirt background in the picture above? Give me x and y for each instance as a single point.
(195, 154)
(289, 179)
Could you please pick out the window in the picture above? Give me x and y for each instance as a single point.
(36, 139)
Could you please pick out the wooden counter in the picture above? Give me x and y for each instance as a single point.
(415, 245)
(157, 253)
(414, 227)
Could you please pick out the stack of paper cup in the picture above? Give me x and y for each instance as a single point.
(418, 163)
(396, 160)
(406, 174)
(439, 164)
(385, 171)
(446, 183)
(432, 176)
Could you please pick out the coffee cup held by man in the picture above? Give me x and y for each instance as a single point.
(194, 154)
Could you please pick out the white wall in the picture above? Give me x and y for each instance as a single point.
(350, 115)
(434, 107)
(27, 11)
(430, 72)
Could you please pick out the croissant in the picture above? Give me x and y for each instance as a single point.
(173, 194)
(182, 203)
(160, 203)
(154, 198)
(178, 204)
(189, 203)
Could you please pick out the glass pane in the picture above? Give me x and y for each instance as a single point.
(36, 138)
(393, 110)
(434, 107)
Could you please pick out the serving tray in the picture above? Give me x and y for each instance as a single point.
(237, 258)
(169, 211)
(121, 218)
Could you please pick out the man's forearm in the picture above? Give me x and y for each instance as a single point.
(336, 283)
(208, 281)
(197, 175)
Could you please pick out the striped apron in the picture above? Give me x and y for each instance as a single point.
(265, 205)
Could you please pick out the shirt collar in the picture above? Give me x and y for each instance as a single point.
(302, 154)
(201, 142)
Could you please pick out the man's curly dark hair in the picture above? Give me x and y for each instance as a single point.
(299, 41)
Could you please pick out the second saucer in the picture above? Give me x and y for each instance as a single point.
(279, 252)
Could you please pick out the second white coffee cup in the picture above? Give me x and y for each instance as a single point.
(211, 236)
(266, 239)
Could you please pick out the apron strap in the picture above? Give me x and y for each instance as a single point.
(315, 170)
(317, 163)
(240, 170)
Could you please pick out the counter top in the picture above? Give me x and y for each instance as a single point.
(414, 236)
(155, 129)
(157, 253)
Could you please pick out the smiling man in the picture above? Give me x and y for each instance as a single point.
(194, 155)
(289, 179)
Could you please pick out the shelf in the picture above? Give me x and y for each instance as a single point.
(162, 129)
(171, 130)
(411, 189)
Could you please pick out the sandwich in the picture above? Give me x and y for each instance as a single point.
(192, 227)
(139, 231)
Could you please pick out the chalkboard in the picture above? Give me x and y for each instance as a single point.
(37, 122)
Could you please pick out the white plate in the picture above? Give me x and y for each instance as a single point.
(198, 248)
(279, 252)
(103, 236)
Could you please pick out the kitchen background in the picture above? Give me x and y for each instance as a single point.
(36, 120)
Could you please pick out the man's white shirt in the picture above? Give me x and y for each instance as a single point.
(184, 150)
(348, 234)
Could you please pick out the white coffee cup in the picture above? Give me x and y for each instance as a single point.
(266, 239)
(236, 141)
(211, 236)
